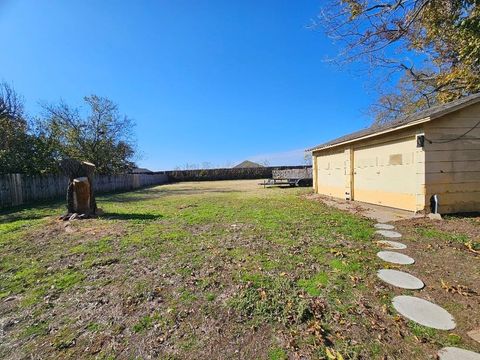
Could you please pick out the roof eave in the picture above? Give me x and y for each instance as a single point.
(386, 131)
(452, 109)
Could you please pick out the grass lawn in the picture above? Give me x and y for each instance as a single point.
(213, 270)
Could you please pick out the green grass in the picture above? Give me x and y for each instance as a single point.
(345, 266)
(313, 286)
(36, 329)
(270, 299)
(94, 327)
(186, 266)
(277, 354)
(441, 235)
(431, 335)
(144, 323)
(64, 339)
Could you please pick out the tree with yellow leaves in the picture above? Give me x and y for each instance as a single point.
(430, 49)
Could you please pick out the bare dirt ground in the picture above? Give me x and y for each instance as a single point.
(216, 270)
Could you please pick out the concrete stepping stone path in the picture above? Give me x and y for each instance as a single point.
(454, 353)
(400, 279)
(392, 245)
(416, 309)
(424, 312)
(395, 258)
(474, 334)
(384, 226)
(389, 234)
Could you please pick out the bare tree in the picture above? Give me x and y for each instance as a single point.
(16, 147)
(433, 45)
(307, 158)
(264, 162)
(102, 136)
(11, 104)
(12, 120)
(206, 165)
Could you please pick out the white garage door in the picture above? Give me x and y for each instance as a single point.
(385, 174)
(331, 174)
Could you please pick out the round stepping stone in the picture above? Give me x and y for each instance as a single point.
(423, 312)
(394, 245)
(400, 279)
(454, 353)
(395, 258)
(474, 334)
(389, 233)
(384, 226)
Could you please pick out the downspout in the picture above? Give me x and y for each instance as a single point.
(434, 204)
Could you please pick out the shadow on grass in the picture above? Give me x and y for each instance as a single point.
(156, 193)
(57, 206)
(128, 216)
(32, 211)
(464, 215)
(280, 186)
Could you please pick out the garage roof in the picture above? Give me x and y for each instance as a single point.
(410, 120)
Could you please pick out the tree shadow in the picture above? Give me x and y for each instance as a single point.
(130, 216)
(34, 211)
(149, 194)
(280, 186)
(461, 215)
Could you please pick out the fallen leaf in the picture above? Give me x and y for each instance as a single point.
(473, 248)
(330, 354)
(458, 289)
(333, 355)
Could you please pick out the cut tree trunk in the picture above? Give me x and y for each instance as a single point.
(81, 195)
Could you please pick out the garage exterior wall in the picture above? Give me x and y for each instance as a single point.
(386, 173)
(329, 175)
(387, 170)
(452, 169)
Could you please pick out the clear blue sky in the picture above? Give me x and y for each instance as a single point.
(214, 81)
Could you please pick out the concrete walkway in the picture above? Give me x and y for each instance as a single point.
(382, 214)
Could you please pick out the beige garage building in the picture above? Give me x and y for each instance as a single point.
(405, 163)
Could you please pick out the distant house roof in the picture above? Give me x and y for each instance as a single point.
(248, 164)
(140, 171)
(410, 120)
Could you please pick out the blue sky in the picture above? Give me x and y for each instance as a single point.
(205, 80)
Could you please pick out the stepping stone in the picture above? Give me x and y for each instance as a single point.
(384, 226)
(400, 279)
(474, 334)
(393, 245)
(395, 258)
(424, 312)
(454, 353)
(389, 233)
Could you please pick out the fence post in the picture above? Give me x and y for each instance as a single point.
(16, 189)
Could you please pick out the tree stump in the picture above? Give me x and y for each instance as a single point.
(80, 196)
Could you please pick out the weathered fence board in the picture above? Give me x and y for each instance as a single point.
(18, 189)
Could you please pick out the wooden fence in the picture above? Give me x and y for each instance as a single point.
(226, 174)
(18, 189)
